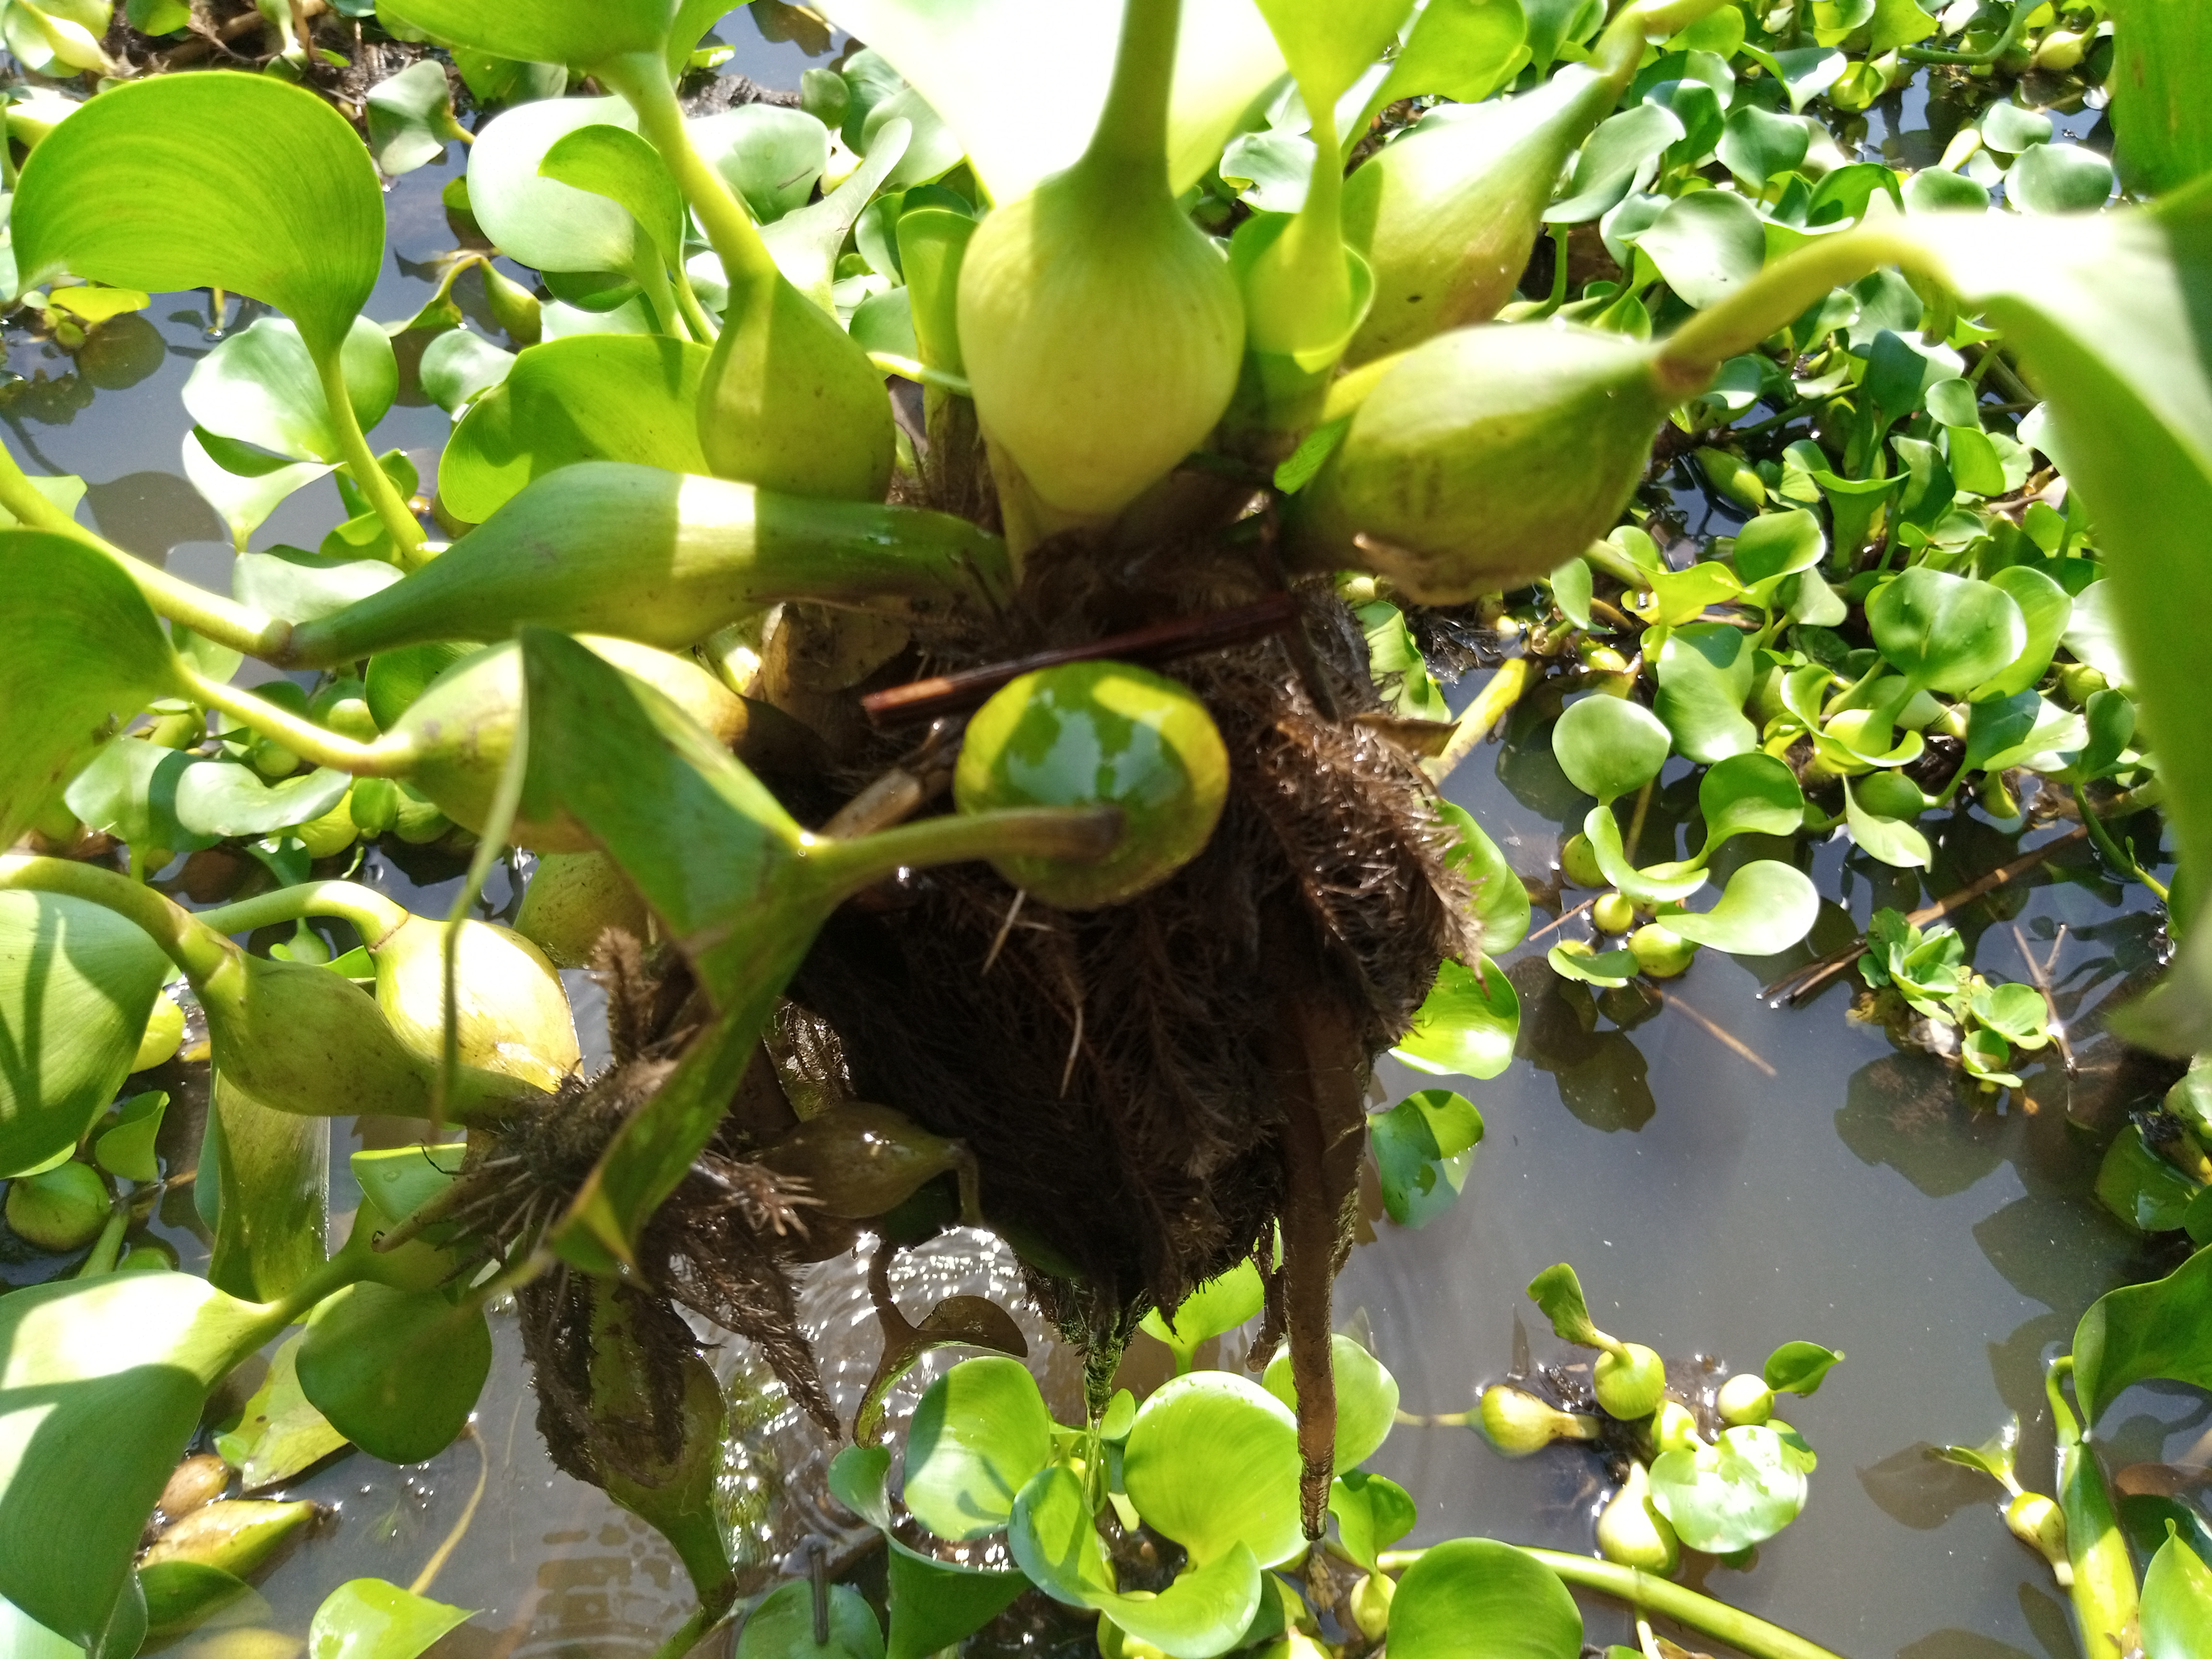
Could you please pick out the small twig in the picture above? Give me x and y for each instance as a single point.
(1074, 1047)
(1563, 918)
(1184, 636)
(1490, 705)
(431, 1567)
(1703, 1023)
(2042, 973)
(1006, 928)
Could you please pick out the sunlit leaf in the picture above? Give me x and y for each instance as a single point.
(1474, 1595)
(368, 1618)
(2161, 1329)
(1467, 1023)
(977, 1435)
(1610, 747)
(1766, 907)
(1725, 1497)
(1366, 1398)
(1424, 1147)
(1221, 1304)
(1212, 1462)
(396, 1372)
(279, 1434)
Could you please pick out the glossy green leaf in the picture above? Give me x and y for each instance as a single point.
(1946, 633)
(539, 221)
(1025, 106)
(298, 586)
(2059, 178)
(2046, 609)
(1467, 1023)
(243, 485)
(1749, 795)
(1727, 1496)
(1366, 1398)
(1212, 1462)
(1893, 840)
(271, 1172)
(1457, 49)
(1203, 1613)
(1219, 1305)
(411, 117)
(1758, 143)
(129, 191)
(1776, 543)
(101, 1390)
(1371, 1513)
(1766, 907)
(368, 1618)
(806, 242)
(1610, 747)
(542, 31)
(1558, 1294)
(1799, 1367)
(2017, 1012)
(1662, 883)
(259, 386)
(2177, 1604)
(1608, 164)
(935, 1605)
(770, 156)
(459, 367)
(278, 1433)
(227, 797)
(182, 1593)
(1424, 1147)
(592, 397)
(978, 1434)
(1608, 969)
(78, 649)
(1501, 900)
(1327, 43)
(2161, 1330)
(1705, 672)
(1707, 245)
(2142, 1189)
(1474, 1596)
(396, 1372)
(615, 162)
(76, 983)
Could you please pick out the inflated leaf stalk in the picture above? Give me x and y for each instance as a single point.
(296, 1037)
(659, 556)
(2104, 1589)
(1448, 214)
(790, 401)
(1632, 1532)
(1100, 329)
(1304, 290)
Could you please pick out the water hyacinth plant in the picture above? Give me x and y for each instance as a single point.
(958, 635)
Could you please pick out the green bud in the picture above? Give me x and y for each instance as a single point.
(60, 1209)
(665, 559)
(2060, 50)
(1370, 1605)
(332, 833)
(1486, 457)
(2078, 682)
(513, 307)
(1102, 734)
(572, 899)
(373, 804)
(1661, 951)
(1632, 1532)
(1675, 1428)
(1746, 1399)
(183, 730)
(2040, 1525)
(342, 705)
(165, 1034)
(1518, 1424)
(416, 819)
(1630, 1383)
(1101, 329)
(271, 759)
(1614, 913)
(1578, 862)
(1734, 477)
(238, 1534)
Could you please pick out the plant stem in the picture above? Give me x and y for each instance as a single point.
(1053, 832)
(642, 81)
(1702, 1614)
(2015, 27)
(1130, 143)
(444, 1553)
(385, 758)
(224, 620)
(188, 942)
(1490, 705)
(373, 916)
(687, 298)
(686, 1635)
(360, 460)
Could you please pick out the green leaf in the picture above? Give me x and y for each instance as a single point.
(1892, 841)
(2161, 1330)
(100, 1390)
(1212, 1462)
(459, 367)
(1728, 1496)
(1221, 1304)
(2047, 610)
(126, 1151)
(2177, 1603)
(1327, 43)
(2141, 1188)
(1610, 747)
(782, 1626)
(1799, 1367)
(978, 1434)
(1606, 166)
(78, 648)
(396, 1372)
(1766, 907)
(590, 396)
(1757, 144)
(76, 984)
(1467, 1023)
(181, 1594)
(411, 117)
(1203, 1613)
(1371, 1513)
(806, 241)
(2059, 178)
(368, 1618)
(1462, 49)
(128, 191)
(935, 1605)
(615, 162)
(241, 483)
(1424, 1147)
(1662, 883)
(2015, 1012)
(298, 586)
(228, 798)
(770, 156)
(1608, 969)
(1472, 1597)
(1776, 544)
(1749, 795)
(129, 789)
(539, 221)
(543, 31)
(279, 1434)
(1705, 672)
(271, 1172)
(1025, 106)
(1558, 1294)
(1366, 1398)
(259, 386)
(1501, 900)
(1946, 633)
(1706, 245)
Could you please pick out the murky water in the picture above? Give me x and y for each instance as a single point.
(1724, 1175)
